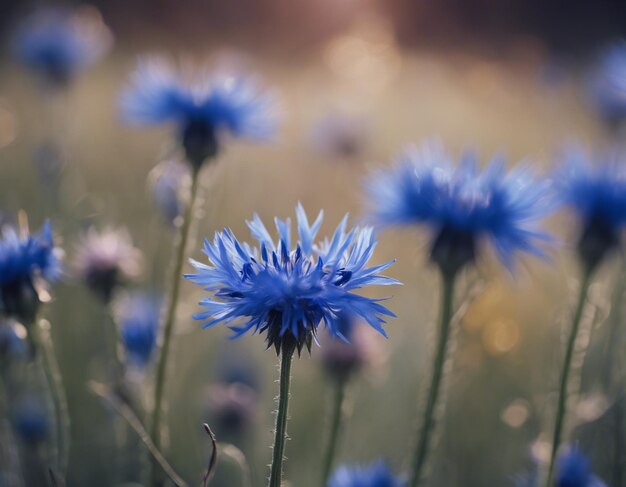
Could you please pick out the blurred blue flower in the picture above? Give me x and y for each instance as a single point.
(24, 262)
(374, 475)
(57, 44)
(574, 471)
(138, 315)
(608, 85)
(201, 109)
(11, 343)
(598, 197)
(461, 205)
(30, 420)
(286, 289)
(105, 259)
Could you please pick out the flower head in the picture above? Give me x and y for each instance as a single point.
(340, 135)
(343, 358)
(201, 110)
(286, 289)
(232, 407)
(30, 420)
(26, 261)
(138, 315)
(574, 471)
(461, 205)
(598, 198)
(104, 259)
(608, 86)
(374, 475)
(57, 44)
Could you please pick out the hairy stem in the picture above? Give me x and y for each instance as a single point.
(428, 421)
(280, 435)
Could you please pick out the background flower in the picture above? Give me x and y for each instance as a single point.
(57, 43)
(461, 205)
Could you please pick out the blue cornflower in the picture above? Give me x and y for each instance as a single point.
(57, 44)
(574, 471)
(608, 85)
(138, 315)
(25, 261)
(374, 475)
(286, 289)
(30, 420)
(461, 205)
(598, 197)
(201, 109)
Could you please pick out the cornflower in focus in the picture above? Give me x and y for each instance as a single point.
(27, 264)
(203, 109)
(58, 44)
(105, 260)
(374, 475)
(285, 289)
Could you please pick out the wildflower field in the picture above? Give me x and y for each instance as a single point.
(332, 244)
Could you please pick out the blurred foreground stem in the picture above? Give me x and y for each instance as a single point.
(276, 472)
(335, 428)
(428, 421)
(565, 372)
(43, 342)
(170, 317)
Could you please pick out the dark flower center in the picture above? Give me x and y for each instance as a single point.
(102, 281)
(287, 342)
(453, 249)
(199, 141)
(597, 239)
(19, 299)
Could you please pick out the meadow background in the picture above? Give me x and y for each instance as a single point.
(475, 74)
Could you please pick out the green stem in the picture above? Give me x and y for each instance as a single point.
(428, 422)
(43, 341)
(565, 373)
(335, 429)
(276, 472)
(170, 316)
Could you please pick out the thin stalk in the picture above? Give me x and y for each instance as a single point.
(428, 422)
(276, 472)
(335, 429)
(565, 373)
(52, 372)
(170, 316)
